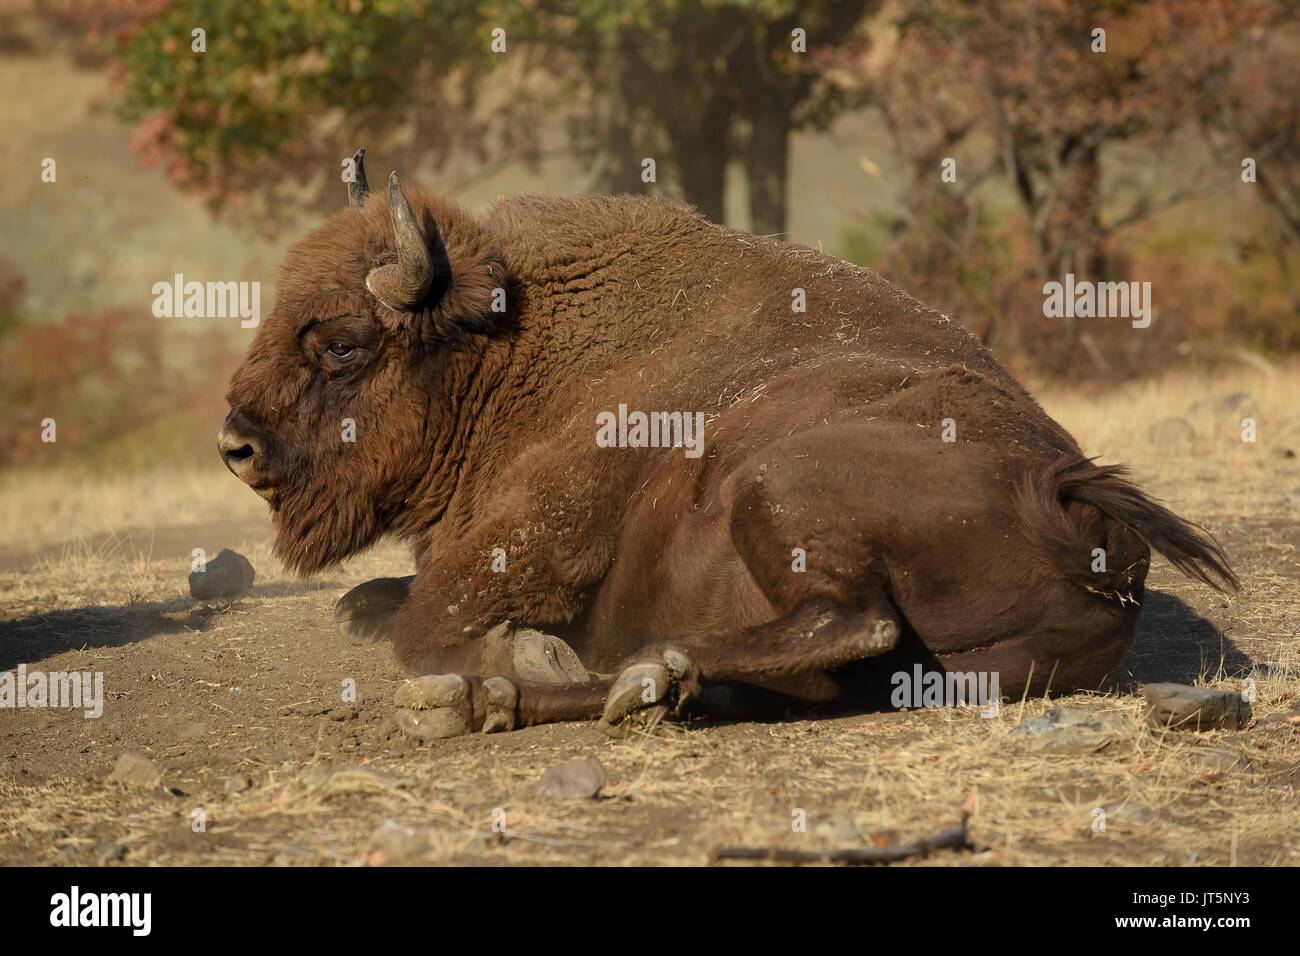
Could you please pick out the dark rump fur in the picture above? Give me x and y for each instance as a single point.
(1059, 507)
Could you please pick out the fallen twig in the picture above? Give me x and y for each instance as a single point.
(954, 838)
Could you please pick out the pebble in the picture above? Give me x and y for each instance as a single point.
(837, 826)
(1180, 707)
(109, 851)
(226, 577)
(1171, 431)
(394, 843)
(330, 780)
(135, 770)
(572, 779)
(1072, 730)
(238, 783)
(1221, 760)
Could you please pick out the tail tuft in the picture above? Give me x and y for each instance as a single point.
(1063, 506)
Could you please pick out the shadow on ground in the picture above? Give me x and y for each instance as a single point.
(30, 639)
(1174, 643)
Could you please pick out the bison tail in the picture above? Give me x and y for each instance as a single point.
(1074, 506)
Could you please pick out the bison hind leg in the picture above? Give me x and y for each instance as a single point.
(796, 650)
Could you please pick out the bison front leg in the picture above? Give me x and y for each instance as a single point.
(451, 705)
(365, 615)
(536, 679)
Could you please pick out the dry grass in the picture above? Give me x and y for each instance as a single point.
(255, 691)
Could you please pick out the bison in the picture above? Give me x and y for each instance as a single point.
(871, 490)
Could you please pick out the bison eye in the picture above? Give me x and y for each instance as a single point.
(339, 350)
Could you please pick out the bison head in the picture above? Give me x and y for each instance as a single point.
(347, 414)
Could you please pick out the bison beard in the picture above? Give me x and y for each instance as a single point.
(831, 533)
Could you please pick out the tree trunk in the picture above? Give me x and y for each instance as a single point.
(620, 170)
(767, 167)
(700, 157)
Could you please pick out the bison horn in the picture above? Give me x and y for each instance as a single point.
(404, 283)
(358, 189)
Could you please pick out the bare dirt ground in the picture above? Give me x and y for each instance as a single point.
(243, 711)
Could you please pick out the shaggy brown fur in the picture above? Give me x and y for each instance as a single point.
(476, 431)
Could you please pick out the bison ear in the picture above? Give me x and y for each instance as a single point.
(402, 285)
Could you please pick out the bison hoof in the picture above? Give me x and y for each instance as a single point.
(365, 614)
(881, 637)
(645, 693)
(444, 705)
(435, 707)
(544, 659)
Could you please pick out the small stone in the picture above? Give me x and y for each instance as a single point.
(1284, 453)
(837, 827)
(194, 730)
(1241, 404)
(1220, 760)
(135, 770)
(572, 779)
(1171, 431)
(109, 851)
(1180, 707)
(1291, 717)
(330, 780)
(226, 577)
(1072, 730)
(238, 783)
(1129, 812)
(392, 843)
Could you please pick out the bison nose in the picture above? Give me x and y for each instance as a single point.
(237, 452)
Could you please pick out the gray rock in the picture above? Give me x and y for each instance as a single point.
(226, 577)
(393, 843)
(572, 779)
(1288, 717)
(109, 851)
(238, 783)
(1221, 759)
(1237, 404)
(1180, 707)
(136, 770)
(837, 826)
(1168, 432)
(328, 780)
(1072, 730)
(1128, 812)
